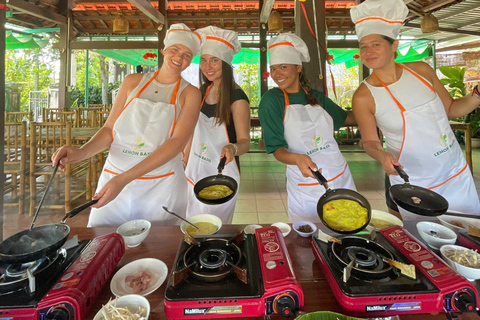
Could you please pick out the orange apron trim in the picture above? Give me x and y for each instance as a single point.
(143, 178)
(317, 183)
(418, 77)
(172, 101)
(190, 181)
(454, 176)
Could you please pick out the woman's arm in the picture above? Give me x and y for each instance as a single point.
(454, 107)
(241, 119)
(302, 161)
(190, 101)
(364, 111)
(103, 138)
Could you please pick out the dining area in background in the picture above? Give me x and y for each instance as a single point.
(28, 147)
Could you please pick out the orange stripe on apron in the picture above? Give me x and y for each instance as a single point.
(317, 183)
(143, 178)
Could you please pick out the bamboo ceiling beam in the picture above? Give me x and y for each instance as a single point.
(147, 8)
(31, 9)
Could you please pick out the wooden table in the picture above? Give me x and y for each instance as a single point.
(162, 243)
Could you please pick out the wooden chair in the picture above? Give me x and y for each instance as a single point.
(100, 118)
(59, 115)
(17, 116)
(15, 164)
(45, 139)
(86, 116)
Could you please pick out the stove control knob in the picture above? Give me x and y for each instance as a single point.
(58, 313)
(464, 302)
(284, 304)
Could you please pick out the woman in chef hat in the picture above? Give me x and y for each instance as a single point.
(151, 121)
(411, 107)
(223, 128)
(298, 124)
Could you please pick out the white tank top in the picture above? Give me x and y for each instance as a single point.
(156, 91)
(387, 113)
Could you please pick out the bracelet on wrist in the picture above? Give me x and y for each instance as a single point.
(476, 92)
(235, 147)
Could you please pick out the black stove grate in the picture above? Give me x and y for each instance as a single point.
(230, 287)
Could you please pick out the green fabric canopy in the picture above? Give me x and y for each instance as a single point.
(23, 42)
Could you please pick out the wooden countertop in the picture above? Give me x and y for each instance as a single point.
(162, 243)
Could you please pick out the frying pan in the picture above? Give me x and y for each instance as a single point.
(416, 199)
(33, 244)
(218, 179)
(340, 194)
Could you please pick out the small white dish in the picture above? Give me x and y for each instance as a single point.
(301, 224)
(134, 232)
(435, 235)
(250, 229)
(132, 301)
(381, 219)
(458, 223)
(470, 273)
(284, 227)
(203, 217)
(157, 268)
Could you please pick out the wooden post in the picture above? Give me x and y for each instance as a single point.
(162, 7)
(315, 69)
(66, 34)
(2, 104)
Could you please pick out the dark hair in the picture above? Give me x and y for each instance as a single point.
(223, 111)
(305, 84)
(390, 41)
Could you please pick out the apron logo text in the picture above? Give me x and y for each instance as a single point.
(444, 150)
(318, 149)
(199, 156)
(136, 153)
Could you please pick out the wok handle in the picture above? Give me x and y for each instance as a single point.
(78, 209)
(47, 188)
(402, 173)
(221, 165)
(320, 178)
(463, 215)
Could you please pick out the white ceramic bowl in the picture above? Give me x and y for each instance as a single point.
(132, 301)
(458, 223)
(382, 219)
(435, 235)
(250, 229)
(299, 224)
(468, 272)
(134, 232)
(203, 217)
(284, 227)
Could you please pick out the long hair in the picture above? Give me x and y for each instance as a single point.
(390, 41)
(223, 111)
(305, 84)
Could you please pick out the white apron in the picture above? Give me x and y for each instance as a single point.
(432, 157)
(309, 130)
(208, 141)
(139, 130)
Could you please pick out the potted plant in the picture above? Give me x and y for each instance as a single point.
(475, 128)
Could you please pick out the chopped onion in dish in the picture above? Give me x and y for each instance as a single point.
(110, 311)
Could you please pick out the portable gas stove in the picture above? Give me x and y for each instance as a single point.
(63, 286)
(375, 288)
(242, 275)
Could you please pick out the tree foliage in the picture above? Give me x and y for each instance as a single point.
(250, 76)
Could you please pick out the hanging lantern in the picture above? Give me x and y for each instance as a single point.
(429, 23)
(275, 22)
(120, 24)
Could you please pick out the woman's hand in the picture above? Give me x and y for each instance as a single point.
(66, 155)
(305, 165)
(109, 191)
(388, 161)
(228, 151)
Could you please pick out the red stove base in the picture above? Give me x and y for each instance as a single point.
(73, 294)
(452, 292)
(282, 293)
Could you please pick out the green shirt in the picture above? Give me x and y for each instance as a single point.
(271, 112)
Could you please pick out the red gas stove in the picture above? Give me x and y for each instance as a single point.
(62, 286)
(376, 288)
(242, 275)
(468, 241)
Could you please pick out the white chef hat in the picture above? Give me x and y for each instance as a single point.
(287, 48)
(179, 33)
(220, 43)
(384, 17)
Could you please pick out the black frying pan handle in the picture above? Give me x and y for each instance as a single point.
(402, 173)
(320, 178)
(221, 165)
(78, 209)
